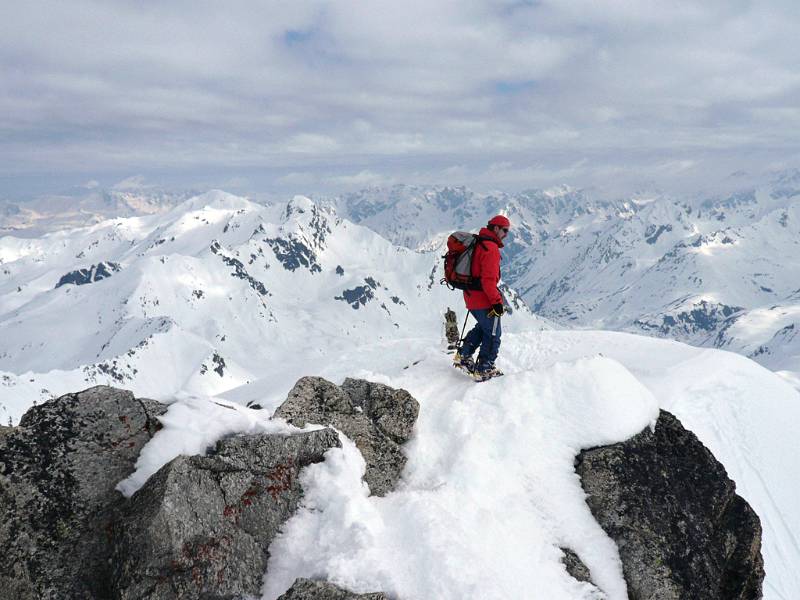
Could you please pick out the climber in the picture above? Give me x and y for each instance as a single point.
(485, 304)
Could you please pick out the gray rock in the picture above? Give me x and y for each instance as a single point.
(90, 275)
(307, 589)
(393, 412)
(201, 526)
(58, 471)
(376, 417)
(681, 530)
(575, 566)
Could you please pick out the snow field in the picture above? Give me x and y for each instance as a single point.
(745, 414)
(489, 493)
(202, 285)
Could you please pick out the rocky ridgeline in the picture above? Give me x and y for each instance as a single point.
(201, 526)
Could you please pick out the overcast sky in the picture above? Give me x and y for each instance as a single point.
(306, 97)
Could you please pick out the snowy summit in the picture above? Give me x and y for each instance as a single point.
(219, 306)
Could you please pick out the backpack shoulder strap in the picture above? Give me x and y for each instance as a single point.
(482, 238)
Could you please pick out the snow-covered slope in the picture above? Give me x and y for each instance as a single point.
(490, 493)
(205, 298)
(712, 270)
(221, 302)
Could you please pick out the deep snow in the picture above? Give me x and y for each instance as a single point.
(489, 493)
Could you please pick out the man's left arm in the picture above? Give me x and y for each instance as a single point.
(490, 273)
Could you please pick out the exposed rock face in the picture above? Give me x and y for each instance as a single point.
(89, 275)
(575, 566)
(200, 527)
(681, 530)
(58, 471)
(376, 417)
(306, 589)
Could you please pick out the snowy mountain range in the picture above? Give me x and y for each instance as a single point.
(221, 289)
(715, 270)
(86, 205)
(220, 303)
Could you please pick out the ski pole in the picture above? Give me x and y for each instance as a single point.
(461, 339)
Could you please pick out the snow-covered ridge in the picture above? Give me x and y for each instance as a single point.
(223, 291)
(692, 269)
(511, 443)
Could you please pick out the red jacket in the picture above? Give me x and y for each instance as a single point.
(486, 265)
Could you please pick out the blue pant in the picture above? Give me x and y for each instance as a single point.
(486, 334)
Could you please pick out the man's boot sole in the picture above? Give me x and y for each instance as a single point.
(479, 378)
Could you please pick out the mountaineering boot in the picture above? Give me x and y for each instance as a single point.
(485, 371)
(465, 363)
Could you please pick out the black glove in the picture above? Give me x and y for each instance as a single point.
(497, 310)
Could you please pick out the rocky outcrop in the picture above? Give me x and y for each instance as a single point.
(575, 566)
(200, 527)
(307, 589)
(376, 417)
(58, 471)
(681, 530)
(89, 275)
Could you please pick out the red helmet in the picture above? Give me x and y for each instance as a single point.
(500, 221)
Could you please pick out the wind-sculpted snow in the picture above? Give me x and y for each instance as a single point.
(508, 444)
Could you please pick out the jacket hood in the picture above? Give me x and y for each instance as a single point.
(488, 233)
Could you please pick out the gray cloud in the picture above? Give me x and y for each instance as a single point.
(333, 95)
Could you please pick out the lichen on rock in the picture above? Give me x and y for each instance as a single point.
(58, 473)
(202, 525)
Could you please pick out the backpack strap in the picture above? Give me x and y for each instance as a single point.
(483, 238)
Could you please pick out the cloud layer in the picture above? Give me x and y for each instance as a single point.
(316, 95)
